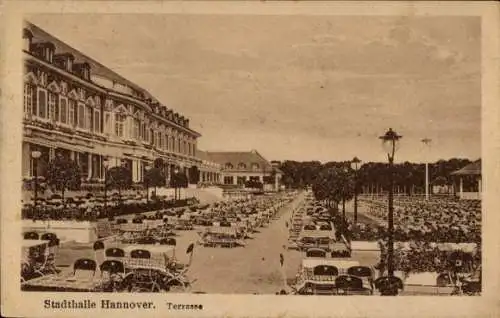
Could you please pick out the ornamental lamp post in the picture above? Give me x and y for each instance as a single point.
(356, 165)
(390, 145)
(177, 172)
(105, 164)
(35, 155)
(146, 181)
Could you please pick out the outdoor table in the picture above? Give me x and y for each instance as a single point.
(308, 264)
(63, 282)
(131, 227)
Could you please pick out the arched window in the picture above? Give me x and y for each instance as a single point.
(255, 166)
(228, 165)
(242, 166)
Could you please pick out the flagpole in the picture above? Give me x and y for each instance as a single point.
(427, 142)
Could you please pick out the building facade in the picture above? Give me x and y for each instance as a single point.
(80, 109)
(239, 167)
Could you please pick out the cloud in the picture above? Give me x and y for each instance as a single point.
(298, 86)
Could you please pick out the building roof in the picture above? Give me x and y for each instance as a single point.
(245, 161)
(470, 169)
(202, 155)
(39, 36)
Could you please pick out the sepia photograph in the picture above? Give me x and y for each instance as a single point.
(248, 154)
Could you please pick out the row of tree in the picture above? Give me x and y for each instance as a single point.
(374, 176)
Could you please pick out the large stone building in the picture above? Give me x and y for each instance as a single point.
(239, 167)
(79, 108)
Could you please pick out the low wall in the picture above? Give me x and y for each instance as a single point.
(81, 232)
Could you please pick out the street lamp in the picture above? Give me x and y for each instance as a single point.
(35, 155)
(176, 183)
(427, 143)
(105, 164)
(390, 145)
(146, 181)
(355, 165)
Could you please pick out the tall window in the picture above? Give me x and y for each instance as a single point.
(143, 131)
(81, 116)
(28, 98)
(72, 112)
(53, 107)
(107, 123)
(179, 145)
(97, 120)
(88, 117)
(63, 110)
(119, 124)
(42, 103)
(151, 136)
(137, 125)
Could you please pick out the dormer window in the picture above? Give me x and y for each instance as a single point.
(44, 50)
(82, 70)
(255, 166)
(242, 166)
(27, 38)
(64, 61)
(228, 165)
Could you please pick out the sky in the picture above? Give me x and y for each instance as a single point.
(300, 87)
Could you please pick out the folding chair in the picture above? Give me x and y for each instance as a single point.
(112, 274)
(84, 269)
(363, 272)
(42, 262)
(98, 249)
(114, 253)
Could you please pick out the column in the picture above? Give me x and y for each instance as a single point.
(89, 160)
(52, 153)
(235, 180)
(135, 170)
(479, 187)
(72, 155)
(461, 188)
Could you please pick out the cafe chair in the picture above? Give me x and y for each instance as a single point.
(112, 274)
(31, 236)
(114, 253)
(84, 268)
(348, 285)
(389, 285)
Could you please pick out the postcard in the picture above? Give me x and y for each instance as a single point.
(250, 159)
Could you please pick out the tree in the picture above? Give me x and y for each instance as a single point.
(155, 177)
(194, 175)
(119, 177)
(62, 174)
